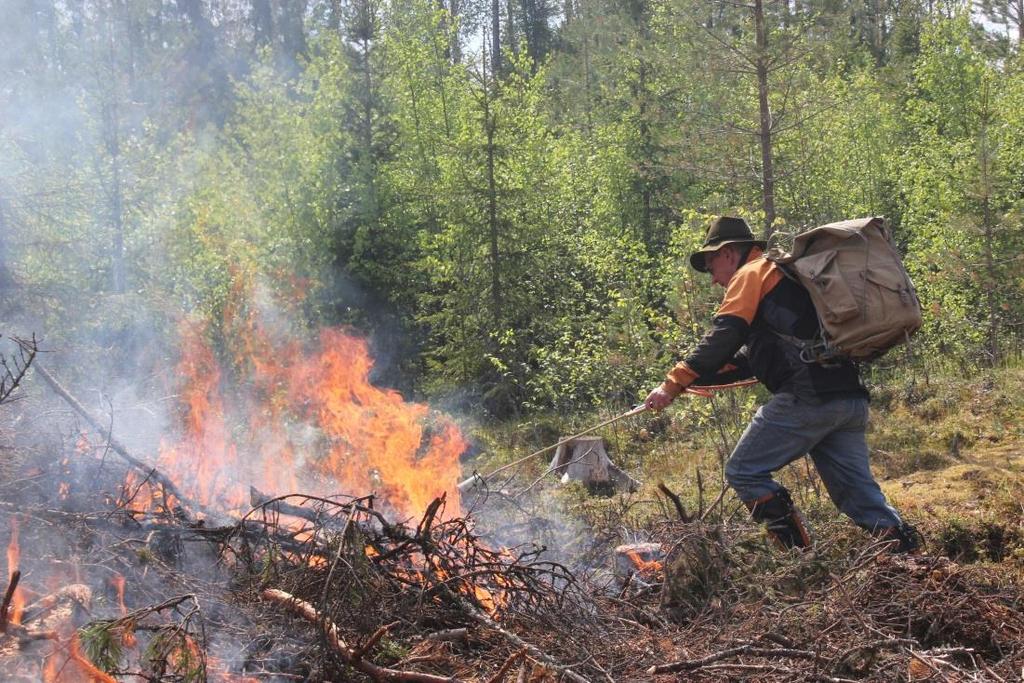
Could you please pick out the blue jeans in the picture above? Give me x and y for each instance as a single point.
(785, 428)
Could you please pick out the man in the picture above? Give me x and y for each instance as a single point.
(817, 409)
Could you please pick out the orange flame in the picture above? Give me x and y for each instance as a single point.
(17, 605)
(72, 666)
(377, 438)
(643, 566)
(118, 582)
(312, 422)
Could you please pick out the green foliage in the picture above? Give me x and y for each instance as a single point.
(518, 240)
(172, 652)
(103, 644)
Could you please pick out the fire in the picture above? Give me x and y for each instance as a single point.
(309, 419)
(378, 438)
(67, 664)
(118, 582)
(643, 566)
(13, 562)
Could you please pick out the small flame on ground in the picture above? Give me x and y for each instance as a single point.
(118, 582)
(643, 566)
(13, 564)
(67, 664)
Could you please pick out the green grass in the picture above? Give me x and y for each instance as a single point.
(947, 451)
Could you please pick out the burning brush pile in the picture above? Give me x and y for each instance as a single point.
(325, 540)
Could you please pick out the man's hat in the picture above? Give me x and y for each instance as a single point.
(724, 230)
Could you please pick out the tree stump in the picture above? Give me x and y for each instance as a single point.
(644, 559)
(584, 459)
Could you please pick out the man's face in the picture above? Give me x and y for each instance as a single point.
(722, 265)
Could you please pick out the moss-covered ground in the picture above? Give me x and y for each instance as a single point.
(947, 451)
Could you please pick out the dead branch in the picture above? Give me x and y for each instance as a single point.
(448, 635)
(748, 649)
(676, 502)
(348, 654)
(372, 640)
(8, 596)
(119, 448)
(259, 500)
(12, 374)
(508, 664)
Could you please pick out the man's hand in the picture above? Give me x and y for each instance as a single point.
(658, 399)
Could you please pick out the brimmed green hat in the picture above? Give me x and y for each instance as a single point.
(724, 230)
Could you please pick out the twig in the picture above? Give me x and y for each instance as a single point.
(361, 651)
(750, 649)
(680, 510)
(721, 495)
(11, 378)
(8, 596)
(348, 654)
(508, 664)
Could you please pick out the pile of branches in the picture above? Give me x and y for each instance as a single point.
(396, 602)
(203, 595)
(321, 589)
(300, 587)
(847, 611)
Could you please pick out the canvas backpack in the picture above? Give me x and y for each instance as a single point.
(861, 291)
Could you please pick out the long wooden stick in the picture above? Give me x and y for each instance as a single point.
(704, 391)
(749, 648)
(350, 655)
(477, 478)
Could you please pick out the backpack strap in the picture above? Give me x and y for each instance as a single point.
(817, 350)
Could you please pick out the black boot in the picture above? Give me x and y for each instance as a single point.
(899, 539)
(782, 520)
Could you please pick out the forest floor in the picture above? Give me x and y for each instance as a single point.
(948, 454)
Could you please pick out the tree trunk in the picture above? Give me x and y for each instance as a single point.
(293, 30)
(118, 279)
(767, 172)
(878, 31)
(365, 33)
(112, 139)
(495, 38)
(203, 58)
(5, 273)
(988, 227)
(510, 26)
(1018, 10)
(497, 303)
(262, 18)
(585, 459)
(646, 154)
(456, 45)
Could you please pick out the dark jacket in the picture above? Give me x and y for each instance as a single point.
(744, 340)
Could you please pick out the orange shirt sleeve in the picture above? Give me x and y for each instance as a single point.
(746, 289)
